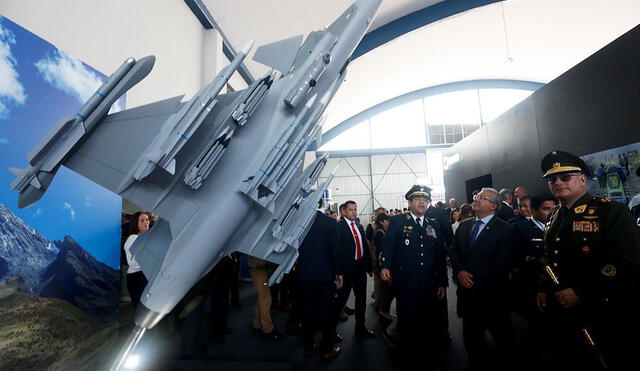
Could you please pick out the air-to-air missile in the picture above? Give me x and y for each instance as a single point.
(222, 171)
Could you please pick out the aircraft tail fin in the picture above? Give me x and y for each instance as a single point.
(151, 247)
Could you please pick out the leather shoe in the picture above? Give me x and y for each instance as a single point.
(338, 338)
(349, 311)
(333, 353)
(309, 349)
(274, 335)
(343, 316)
(365, 333)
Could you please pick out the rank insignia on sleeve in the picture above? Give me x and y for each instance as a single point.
(608, 270)
(580, 209)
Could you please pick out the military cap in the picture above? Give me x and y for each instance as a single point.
(558, 162)
(418, 190)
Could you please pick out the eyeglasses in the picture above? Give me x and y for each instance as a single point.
(563, 177)
(481, 197)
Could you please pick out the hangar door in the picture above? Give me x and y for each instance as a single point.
(382, 180)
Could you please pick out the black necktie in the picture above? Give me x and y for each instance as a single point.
(418, 222)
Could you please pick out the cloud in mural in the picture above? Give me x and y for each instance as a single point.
(68, 74)
(11, 90)
(87, 201)
(3, 140)
(72, 211)
(38, 212)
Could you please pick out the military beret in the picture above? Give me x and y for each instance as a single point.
(557, 162)
(418, 190)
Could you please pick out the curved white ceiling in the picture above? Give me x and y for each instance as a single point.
(532, 40)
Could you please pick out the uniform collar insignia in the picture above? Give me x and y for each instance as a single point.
(580, 209)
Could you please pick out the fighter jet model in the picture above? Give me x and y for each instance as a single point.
(223, 171)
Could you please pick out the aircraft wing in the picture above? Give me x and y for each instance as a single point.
(96, 158)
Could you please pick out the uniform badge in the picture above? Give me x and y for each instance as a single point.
(408, 216)
(586, 249)
(406, 242)
(591, 211)
(580, 209)
(431, 232)
(608, 270)
(585, 226)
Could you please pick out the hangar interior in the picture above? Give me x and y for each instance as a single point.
(426, 75)
(439, 91)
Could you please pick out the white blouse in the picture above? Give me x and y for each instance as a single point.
(131, 261)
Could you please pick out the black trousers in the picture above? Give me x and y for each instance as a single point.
(356, 280)
(497, 320)
(136, 282)
(316, 306)
(221, 277)
(419, 324)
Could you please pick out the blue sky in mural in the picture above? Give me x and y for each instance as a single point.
(39, 85)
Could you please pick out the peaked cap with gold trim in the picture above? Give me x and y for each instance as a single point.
(558, 162)
(418, 190)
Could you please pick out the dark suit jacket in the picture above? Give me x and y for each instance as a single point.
(319, 260)
(488, 261)
(505, 212)
(348, 247)
(445, 222)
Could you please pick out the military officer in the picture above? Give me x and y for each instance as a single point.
(413, 259)
(592, 246)
(530, 254)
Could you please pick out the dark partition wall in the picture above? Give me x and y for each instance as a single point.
(592, 107)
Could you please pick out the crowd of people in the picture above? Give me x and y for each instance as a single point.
(565, 262)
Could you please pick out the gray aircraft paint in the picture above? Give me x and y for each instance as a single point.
(254, 197)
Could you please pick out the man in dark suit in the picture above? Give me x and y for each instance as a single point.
(318, 271)
(505, 212)
(481, 257)
(357, 263)
(413, 259)
(443, 218)
(593, 247)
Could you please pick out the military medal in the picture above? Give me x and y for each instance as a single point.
(585, 226)
(431, 232)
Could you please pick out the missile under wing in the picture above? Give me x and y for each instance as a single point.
(223, 171)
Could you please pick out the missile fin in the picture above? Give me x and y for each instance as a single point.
(35, 182)
(280, 54)
(171, 167)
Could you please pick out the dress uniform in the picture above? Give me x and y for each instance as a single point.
(415, 256)
(593, 248)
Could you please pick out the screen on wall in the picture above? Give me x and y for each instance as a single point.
(477, 184)
(614, 173)
(59, 258)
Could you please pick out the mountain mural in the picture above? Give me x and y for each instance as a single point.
(56, 269)
(23, 251)
(75, 276)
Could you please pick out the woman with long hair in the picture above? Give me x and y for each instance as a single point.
(136, 281)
